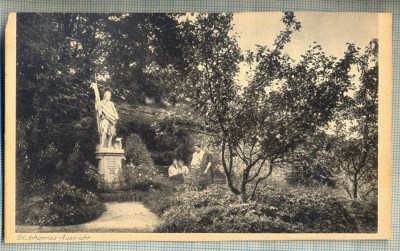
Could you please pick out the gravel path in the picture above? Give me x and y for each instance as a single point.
(119, 217)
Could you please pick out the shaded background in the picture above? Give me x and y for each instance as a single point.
(230, 6)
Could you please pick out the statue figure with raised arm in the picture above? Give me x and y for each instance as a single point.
(107, 117)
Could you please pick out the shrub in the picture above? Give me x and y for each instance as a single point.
(196, 180)
(78, 171)
(31, 186)
(275, 210)
(94, 181)
(163, 136)
(64, 205)
(312, 176)
(163, 195)
(135, 121)
(183, 211)
(163, 158)
(218, 210)
(366, 214)
(183, 218)
(168, 195)
(251, 218)
(136, 151)
(313, 210)
(139, 177)
(75, 161)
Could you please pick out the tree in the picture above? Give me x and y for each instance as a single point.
(286, 103)
(55, 55)
(213, 57)
(58, 53)
(282, 105)
(358, 154)
(143, 54)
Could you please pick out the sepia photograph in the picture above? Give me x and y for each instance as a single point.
(176, 123)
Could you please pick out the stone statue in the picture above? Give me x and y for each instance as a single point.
(107, 117)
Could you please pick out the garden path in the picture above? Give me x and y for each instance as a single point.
(119, 217)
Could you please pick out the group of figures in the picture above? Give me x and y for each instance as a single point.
(202, 164)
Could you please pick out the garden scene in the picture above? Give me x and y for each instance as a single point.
(169, 123)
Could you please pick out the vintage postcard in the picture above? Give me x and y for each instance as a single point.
(197, 126)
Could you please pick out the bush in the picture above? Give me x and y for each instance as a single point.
(366, 214)
(94, 181)
(162, 135)
(136, 151)
(275, 210)
(141, 177)
(313, 176)
(136, 121)
(79, 172)
(218, 210)
(183, 211)
(160, 199)
(169, 194)
(64, 205)
(163, 158)
(196, 180)
(28, 187)
(251, 218)
(312, 210)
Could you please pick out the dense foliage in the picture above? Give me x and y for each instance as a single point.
(157, 131)
(57, 55)
(136, 152)
(139, 177)
(275, 210)
(63, 205)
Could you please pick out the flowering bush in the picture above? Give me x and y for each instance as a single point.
(139, 177)
(64, 205)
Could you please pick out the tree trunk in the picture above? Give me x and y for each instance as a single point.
(228, 174)
(244, 195)
(244, 184)
(355, 186)
(230, 185)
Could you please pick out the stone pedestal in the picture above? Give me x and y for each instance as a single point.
(110, 165)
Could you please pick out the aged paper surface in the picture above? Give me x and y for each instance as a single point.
(384, 159)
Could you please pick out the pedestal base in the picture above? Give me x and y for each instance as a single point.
(110, 166)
